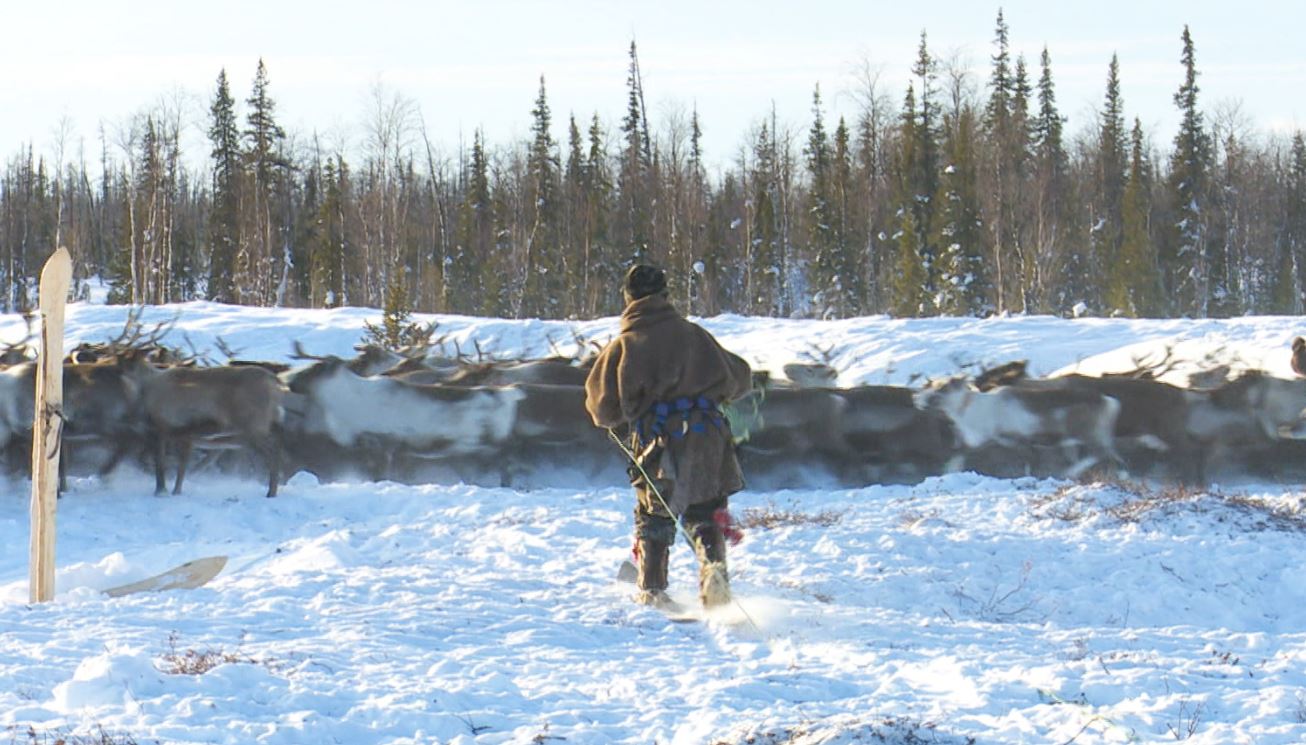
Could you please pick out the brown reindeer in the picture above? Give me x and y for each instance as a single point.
(1077, 422)
(101, 406)
(547, 371)
(215, 406)
(1150, 431)
(1251, 414)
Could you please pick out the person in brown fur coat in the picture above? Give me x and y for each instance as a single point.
(665, 379)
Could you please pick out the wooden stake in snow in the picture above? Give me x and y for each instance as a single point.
(48, 423)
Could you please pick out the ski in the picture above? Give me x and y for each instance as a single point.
(47, 425)
(628, 573)
(187, 576)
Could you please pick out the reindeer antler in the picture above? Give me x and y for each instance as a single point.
(300, 354)
(815, 353)
(225, 348)
(1152, 370)
(13, 352)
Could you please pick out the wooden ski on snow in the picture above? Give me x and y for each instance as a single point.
(188, 576)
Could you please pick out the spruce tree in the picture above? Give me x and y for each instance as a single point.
(820, 216)
(917, 167)
(963, 286)
(544, 267)
(1003, 175)
(327, 255)
(498, 299)
(1059, 260)
(910, 298)
(1134, 282)
(256, 273)
(634, 175)
(473, 276)
(925, 133)
(224, 215)
(1109, 186)
(847, 237)
(574, 227)
(997, 113)
(910, 288)
(1186, 262)
(764, 264)
(701, 249)
(397, 331)
(1020, 153)
(1291, 277)
(1049, 122)
(121, 261)
(875, 203)
(607, 263)
(927, 171)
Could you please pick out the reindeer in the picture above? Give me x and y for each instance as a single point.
(17, 406)
(424, 371)
(16, 353)
(1150, 432)
(787, 435)
(894, 438)
(1299, 356)
(372, 359)
(552, 430)
(334, 404)
(133, 339)
(1030, 418)
(1253, 413)
(547, 371)
(811, 374)
(217, 406)
(101, 405)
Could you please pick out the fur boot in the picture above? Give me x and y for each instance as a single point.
(652, 579)
(713, 577)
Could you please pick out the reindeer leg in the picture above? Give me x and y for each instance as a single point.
(183, 457)
(160, 450)
(63, 469)
(272, 453)
(121, 444)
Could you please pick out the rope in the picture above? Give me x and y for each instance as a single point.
(766, 638)
(1094, 718)
(676, 518)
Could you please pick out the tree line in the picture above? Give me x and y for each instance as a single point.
(962, 197)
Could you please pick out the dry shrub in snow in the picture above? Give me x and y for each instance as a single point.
(1132, 502)
(19, 735)
(196, 662)
(849, 731)
(770, 516)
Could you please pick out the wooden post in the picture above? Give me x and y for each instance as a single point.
(48, 422)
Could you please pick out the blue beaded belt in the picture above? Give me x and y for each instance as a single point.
(684, 406)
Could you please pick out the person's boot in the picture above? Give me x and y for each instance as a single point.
(713, 577)
(652, 579)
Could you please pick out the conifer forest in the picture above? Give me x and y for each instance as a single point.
(966, 194)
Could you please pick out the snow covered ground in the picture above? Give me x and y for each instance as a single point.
(961, 609)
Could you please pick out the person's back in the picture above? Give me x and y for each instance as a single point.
(665, 377)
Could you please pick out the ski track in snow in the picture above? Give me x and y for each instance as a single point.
(1008, 611)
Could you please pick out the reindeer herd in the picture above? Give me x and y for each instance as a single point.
(423, 417)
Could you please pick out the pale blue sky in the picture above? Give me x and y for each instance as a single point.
(477, 64)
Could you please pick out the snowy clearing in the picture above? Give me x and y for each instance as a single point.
(960, 609)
